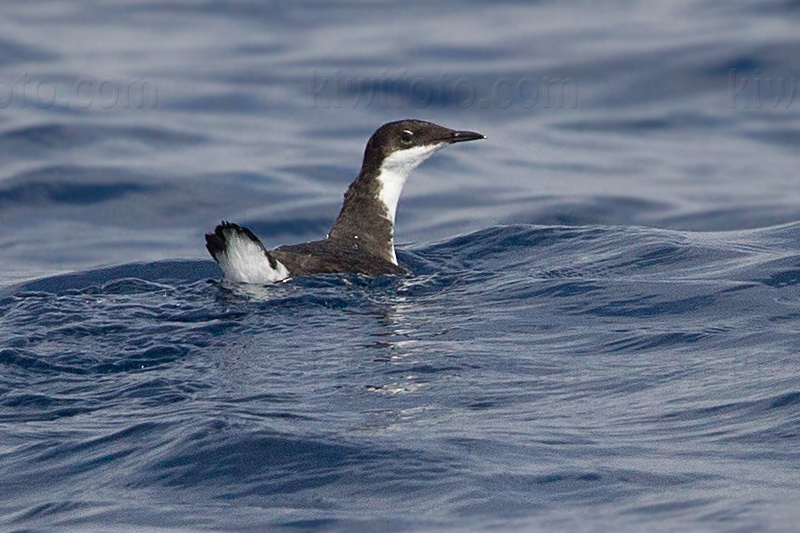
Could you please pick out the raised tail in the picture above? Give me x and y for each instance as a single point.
(242, 257)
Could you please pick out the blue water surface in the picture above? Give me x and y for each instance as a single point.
(599, 329)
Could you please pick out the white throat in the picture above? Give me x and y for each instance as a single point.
(394, 173)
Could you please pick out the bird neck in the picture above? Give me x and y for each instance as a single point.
(366, 222)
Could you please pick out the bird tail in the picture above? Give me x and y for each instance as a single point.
(242, 257)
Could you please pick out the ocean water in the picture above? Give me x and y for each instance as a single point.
(600, 325)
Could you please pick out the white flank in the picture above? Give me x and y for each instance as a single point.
(393, 175)
(245, 261)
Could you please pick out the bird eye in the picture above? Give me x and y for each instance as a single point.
(407, 137)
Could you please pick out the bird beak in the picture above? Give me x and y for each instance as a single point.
(462, 136)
